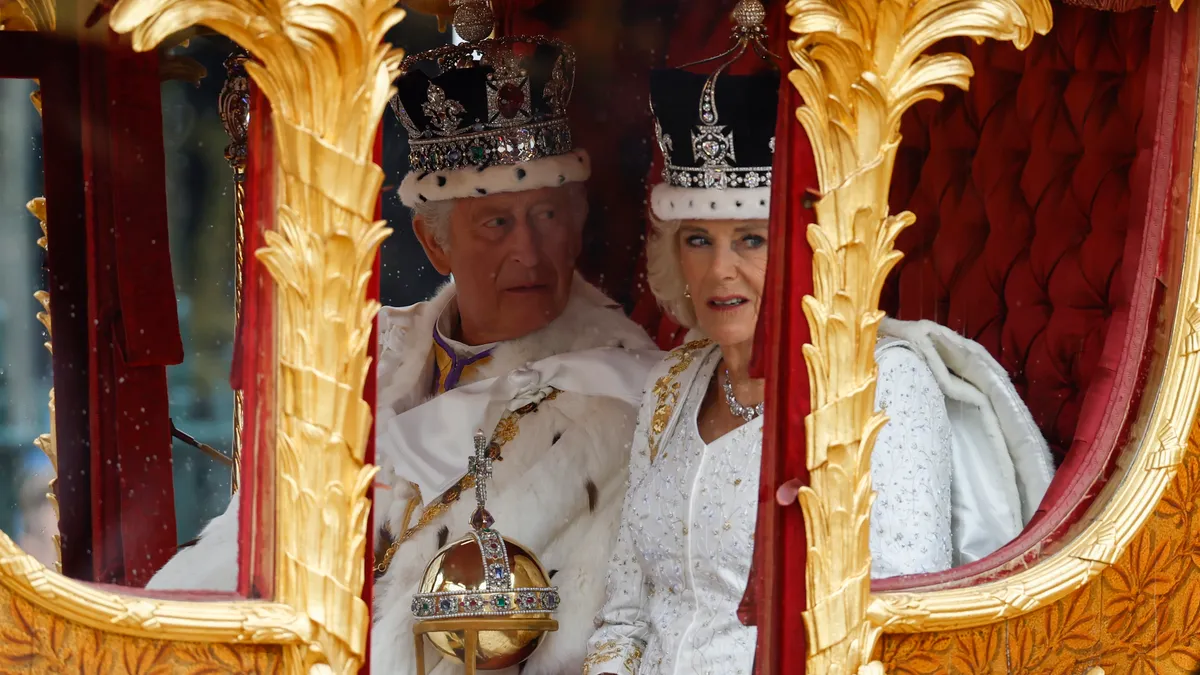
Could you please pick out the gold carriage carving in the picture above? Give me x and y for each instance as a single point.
(860, 65)
(320, 259)
(859, 69)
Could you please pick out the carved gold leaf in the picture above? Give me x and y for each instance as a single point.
(1192, 344)
(27, 15)
(327, 72)
(13, 17)
(246, 621)
(41, 13)
(860, 64)
(47, 443)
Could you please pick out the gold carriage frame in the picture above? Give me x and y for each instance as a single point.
(860, 64)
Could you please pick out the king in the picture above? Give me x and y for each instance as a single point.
(517, 344)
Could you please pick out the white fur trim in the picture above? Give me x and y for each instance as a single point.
(211, 564)
(436, 186)
(669, 202)
(539, 494)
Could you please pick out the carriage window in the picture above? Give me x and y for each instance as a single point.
(140, 279)
(201, 216)
(26, 513)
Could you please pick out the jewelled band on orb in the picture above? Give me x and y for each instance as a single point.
(511, 602)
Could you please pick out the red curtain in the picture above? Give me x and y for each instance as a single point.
(133, 331)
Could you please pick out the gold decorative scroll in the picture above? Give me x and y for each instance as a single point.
(27, 15)
(41, 16)
(48, 443)
(327, 72)
(33, 640)
(860, 64)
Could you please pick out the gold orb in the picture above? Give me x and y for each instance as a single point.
(458, 568)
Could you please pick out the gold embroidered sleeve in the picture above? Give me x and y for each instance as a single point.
(618, 657)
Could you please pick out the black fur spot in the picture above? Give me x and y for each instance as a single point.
(620, 344)
(712, 205)
(520, 174)
(691, 203)
(423, 175)
(552, 573)
(561, 179)
(481, 191)
(422, 198)
(593, 494)
(383, 541)
(580, 158)
(441, 181)
(481, 169)
(443, 535)
(557, 435)
(672, 204)
(762, 202)
(738, 204)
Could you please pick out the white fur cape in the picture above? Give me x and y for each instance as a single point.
(557, 491)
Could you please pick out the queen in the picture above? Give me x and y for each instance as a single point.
(685, 542)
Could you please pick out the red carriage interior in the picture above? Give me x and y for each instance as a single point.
(1040, 197)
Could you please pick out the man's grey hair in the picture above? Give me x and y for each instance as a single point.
(437, 219)
(436, 215)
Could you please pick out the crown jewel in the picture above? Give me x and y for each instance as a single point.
(497, 595)
(488, 101)
(723, 153)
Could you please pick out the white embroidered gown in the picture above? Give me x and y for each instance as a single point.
(683, 552)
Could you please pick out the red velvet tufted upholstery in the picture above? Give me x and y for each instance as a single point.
(1022, 190)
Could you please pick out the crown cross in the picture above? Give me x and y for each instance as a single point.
(479, 466)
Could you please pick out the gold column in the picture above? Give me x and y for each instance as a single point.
(234, 105)
(860, 64)
(39, 15)
(327, 73)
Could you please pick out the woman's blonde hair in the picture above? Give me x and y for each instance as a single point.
(665, 274)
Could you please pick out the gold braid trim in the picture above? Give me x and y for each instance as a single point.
(606, 651)
(506, 431)
(666, 390)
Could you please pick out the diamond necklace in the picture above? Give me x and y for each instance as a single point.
(739, 410)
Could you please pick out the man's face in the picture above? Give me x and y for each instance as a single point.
(513, 257)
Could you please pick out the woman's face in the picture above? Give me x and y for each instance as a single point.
(725, 265)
